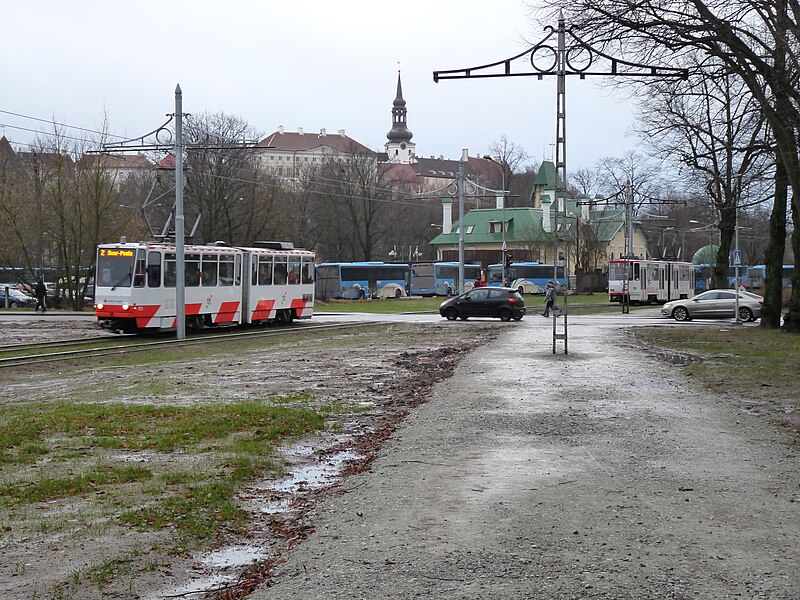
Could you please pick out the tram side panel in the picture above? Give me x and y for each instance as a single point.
(279, 285)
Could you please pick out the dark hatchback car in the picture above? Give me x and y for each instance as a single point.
(502, 303)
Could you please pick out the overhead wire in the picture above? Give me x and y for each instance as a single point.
(52, 122)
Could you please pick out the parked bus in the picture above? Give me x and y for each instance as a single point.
(358, 280)
(704, 277)
(440, 278)
(650, 281)
(526, 277)
(756, 279)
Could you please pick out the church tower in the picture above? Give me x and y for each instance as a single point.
(399, 148)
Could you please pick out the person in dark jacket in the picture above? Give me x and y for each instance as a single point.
(549, 298)
(41, 293)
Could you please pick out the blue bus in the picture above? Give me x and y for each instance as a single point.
(704, 277)
(359, 280)
(756, 278)
(440, 278)
(526, 277)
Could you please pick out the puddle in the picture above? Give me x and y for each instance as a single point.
(224, 565)
(198, 586)
(313, 477)
(234, 556)
(298, 450)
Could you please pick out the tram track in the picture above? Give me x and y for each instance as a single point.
(136, 344)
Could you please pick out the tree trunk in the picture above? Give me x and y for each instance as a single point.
(771, 313)
(792, 321)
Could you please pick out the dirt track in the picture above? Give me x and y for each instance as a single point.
(527, 475)
(602, 474)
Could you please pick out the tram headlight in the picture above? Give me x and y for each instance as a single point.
(100, 306)
(125, 307)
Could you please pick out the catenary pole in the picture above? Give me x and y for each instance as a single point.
(461, 175)
(180, 281)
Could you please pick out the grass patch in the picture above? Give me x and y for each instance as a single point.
(25, 429)
(53, 488)
(759, 365)
(235, 440)
(199, 513)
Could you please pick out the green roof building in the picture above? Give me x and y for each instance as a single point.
(590, 237)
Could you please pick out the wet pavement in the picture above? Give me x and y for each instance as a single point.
(528, 474)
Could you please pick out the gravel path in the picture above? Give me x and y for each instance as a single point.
(601, 474)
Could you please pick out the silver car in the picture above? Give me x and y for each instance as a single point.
(715, 304)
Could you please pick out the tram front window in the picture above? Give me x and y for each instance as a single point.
(115, 267)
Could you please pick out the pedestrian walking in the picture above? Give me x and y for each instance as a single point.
(41, 293)
(549, 298)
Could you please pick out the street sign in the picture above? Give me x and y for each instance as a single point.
(505, 248)
(737, 258)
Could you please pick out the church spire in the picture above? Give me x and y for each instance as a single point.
(399, 132)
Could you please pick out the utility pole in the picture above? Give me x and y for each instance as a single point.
(576, 58)
(139, 144)
(180, 273)
(461, 176)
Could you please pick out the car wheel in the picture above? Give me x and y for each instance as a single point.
(13, 304)
(521, 290)
(745, 314)
(398, 293)
(451, 314)
(679, 313)
(361, 294)
(449, 292)
(504, 314)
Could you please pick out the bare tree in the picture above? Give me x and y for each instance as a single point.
(756, 40)
(225, 183)
(712, 127)
(356, 205)
(512, 160)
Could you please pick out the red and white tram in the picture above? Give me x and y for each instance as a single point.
(649, 281)
(224, 285)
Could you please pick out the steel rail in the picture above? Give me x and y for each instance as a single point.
(34, 359)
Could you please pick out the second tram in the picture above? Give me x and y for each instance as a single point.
(649, 281)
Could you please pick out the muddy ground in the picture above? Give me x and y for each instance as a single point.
(606, 473)
(75, 549)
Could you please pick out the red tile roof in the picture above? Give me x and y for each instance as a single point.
(293, 141)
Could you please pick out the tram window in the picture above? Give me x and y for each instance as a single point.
(308, 271)
(226, 269)
(170, 272)
(636, 271)
(294, 270)
(208, 270)
(138, 273)
(264, 270)
(280, 276)
(192, 270)
(154, 269)
(238, 270)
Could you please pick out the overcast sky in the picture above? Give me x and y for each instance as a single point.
(302, 63)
